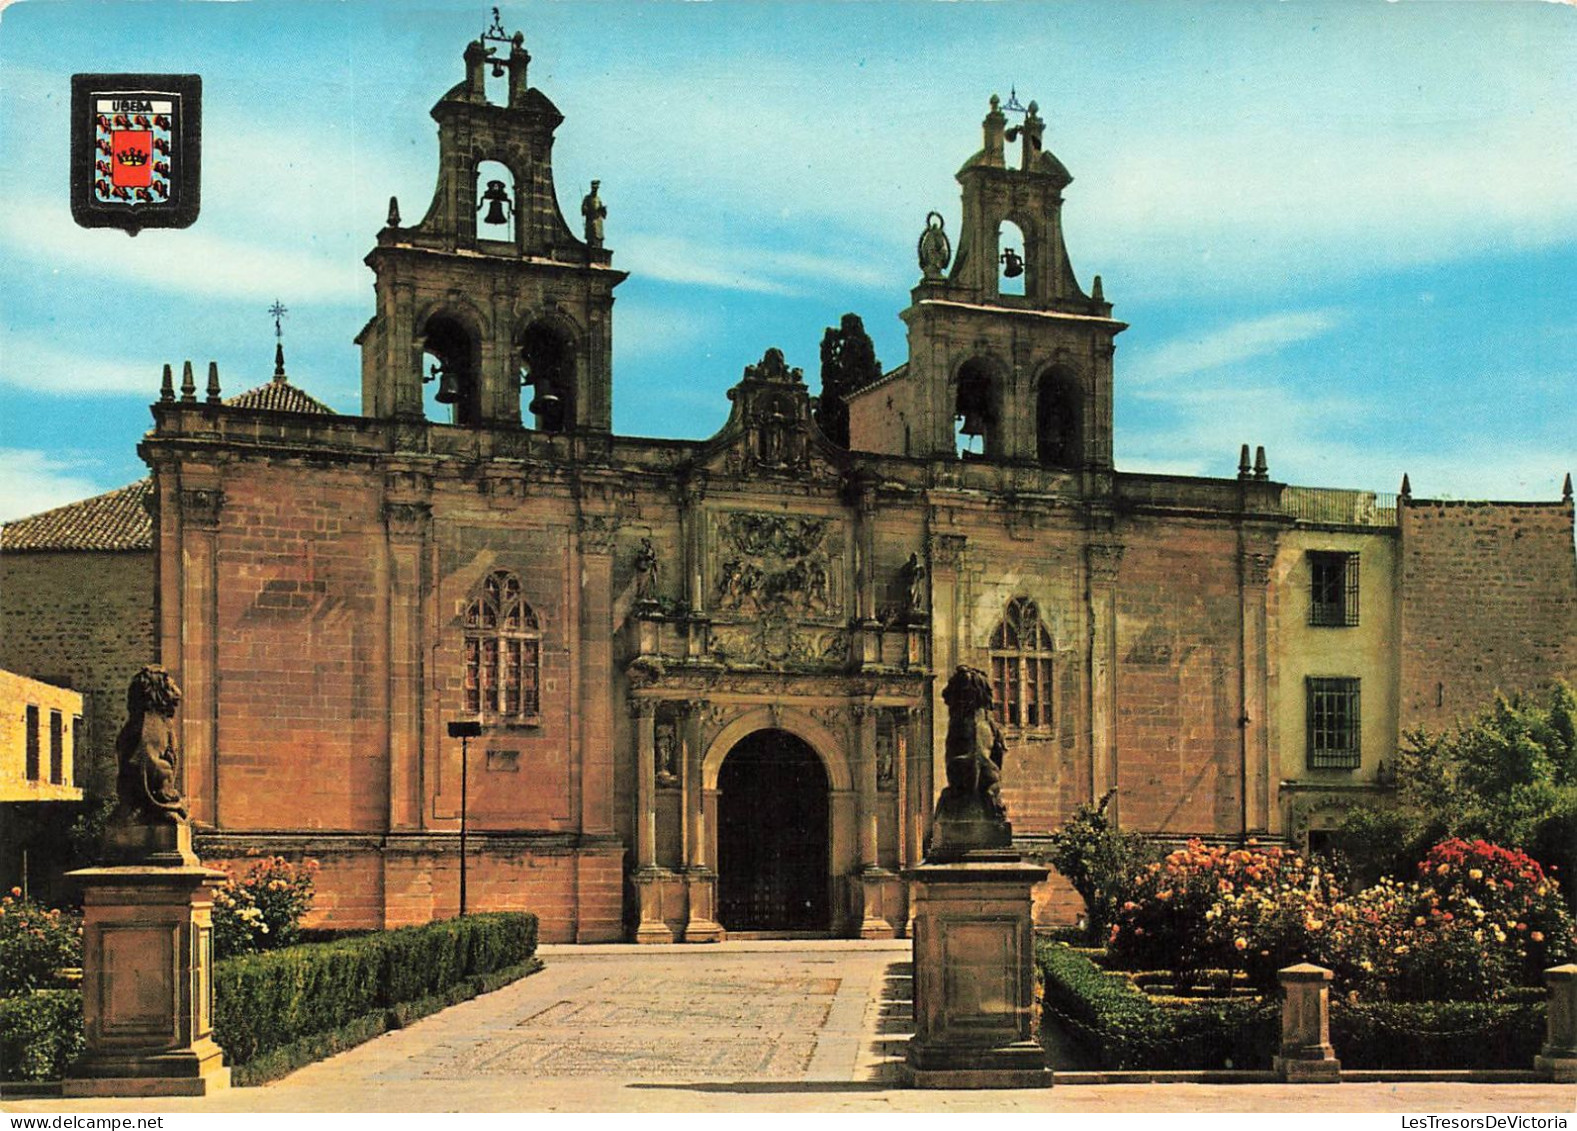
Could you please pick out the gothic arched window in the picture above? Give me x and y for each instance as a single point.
(1021, 667)
(503, 650)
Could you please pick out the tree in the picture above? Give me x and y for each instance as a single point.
(1100, 861)
(848, 361)
(1508, 775)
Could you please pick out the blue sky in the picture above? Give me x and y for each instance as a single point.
(1345, 231)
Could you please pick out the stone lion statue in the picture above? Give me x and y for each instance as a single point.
(147, 783)
(975, 748)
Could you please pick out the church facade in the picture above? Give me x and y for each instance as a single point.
(707, 674)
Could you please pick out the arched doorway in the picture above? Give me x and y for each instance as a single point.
(772, 836)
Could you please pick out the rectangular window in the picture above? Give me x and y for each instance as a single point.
(530, 696)
(1334, 723)
(1333, 589)
(57, 748)
(32, 742)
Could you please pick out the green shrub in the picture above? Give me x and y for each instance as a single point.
(265, 1002)
(1437, 1034)
(40, 1034)
(1122, 1027)
(1101, 862)
(36, 943)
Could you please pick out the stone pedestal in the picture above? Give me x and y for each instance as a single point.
(974, 975)
(1306, 1054)
(654, 887)
(701, 925)
(877, 899)
(147, 987)
(1557, 1060)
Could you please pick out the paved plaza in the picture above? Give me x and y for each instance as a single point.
(742, 1026)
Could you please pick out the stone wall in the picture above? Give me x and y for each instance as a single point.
(1489, 603)
(84, 620)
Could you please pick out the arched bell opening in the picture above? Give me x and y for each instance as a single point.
(773, 836)
(495, 204)
(975, 410)
(1012, 259)
(451, 357)
(1059, 440)
(547, 367)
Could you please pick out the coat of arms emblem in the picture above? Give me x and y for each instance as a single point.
(136, 148)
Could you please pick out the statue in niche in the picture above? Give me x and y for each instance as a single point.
(914, 587)
(886, 759)
(146, 784)
(935, 248)
(667, 756)
(595, 212)
(646, 573)
(970, 816)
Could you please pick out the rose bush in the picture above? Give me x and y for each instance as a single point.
(262, 909)
(36, 944)
(1479, 921)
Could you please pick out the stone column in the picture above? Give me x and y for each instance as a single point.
(1255, 560)
(199, 668)
(869, 650)
(147, 982)
(875, 889)
(1102, 561)
(407, 517)
(692, 532)
(700, 880)
(1557, 1060)
(648, 876)
(947, 623)
(1306, 1055)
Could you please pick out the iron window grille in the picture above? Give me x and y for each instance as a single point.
(32, 742)
(503, 651)
(1334, 723)
(1333, 589)
(1021, 668)
(57, 748)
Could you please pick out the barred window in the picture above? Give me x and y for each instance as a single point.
(1021, 667)
(57, 748)
(1334, 723)
(503, 649)
(31, 724)
(1333, 589)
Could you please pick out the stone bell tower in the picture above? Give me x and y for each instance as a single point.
(1009, 359)
(491, 292)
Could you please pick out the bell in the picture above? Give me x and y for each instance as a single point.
(1013, 264)
(448, 388)
(495, 213)
(545, 405)
(974, 422)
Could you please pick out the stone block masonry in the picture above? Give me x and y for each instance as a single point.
(1489, 603)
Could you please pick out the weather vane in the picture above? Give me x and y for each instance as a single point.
(278, 310)
(1013, 104)
(495, 34)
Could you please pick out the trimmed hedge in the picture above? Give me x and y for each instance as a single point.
(40, 1034)
(285, 1008)
(1438, 1034)
(264, 1002)
(1122, 1027)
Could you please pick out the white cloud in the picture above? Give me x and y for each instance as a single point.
(31, 481)
(182, 262)
(1238, 341)
(48, 370)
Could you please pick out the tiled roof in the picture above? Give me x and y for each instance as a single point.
(278, 395)
(117, 520)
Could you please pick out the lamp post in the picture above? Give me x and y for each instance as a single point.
(464, 731)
